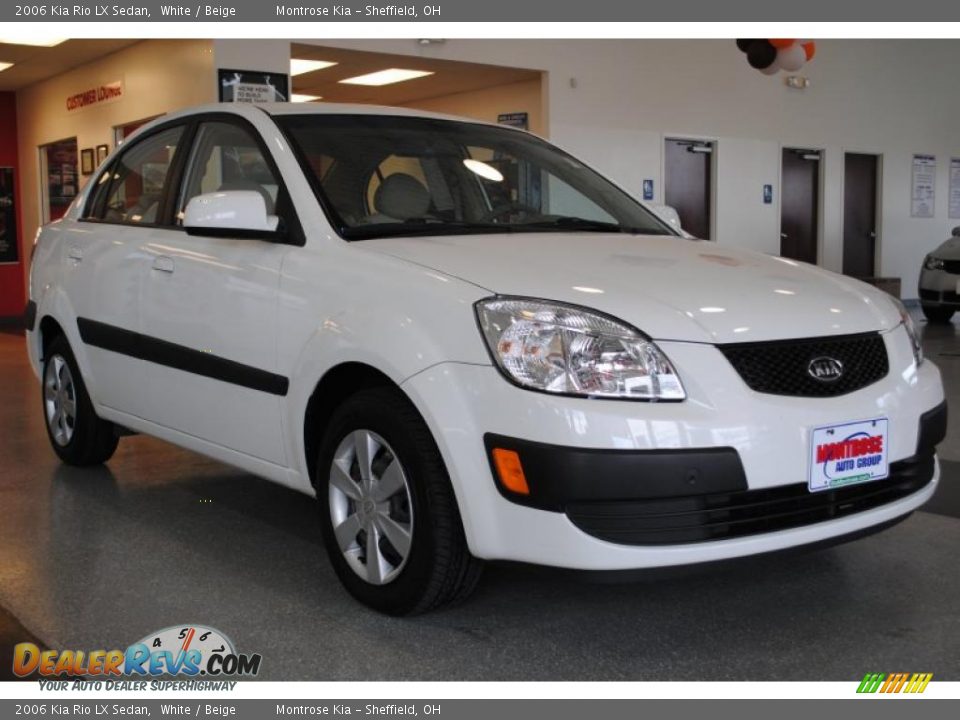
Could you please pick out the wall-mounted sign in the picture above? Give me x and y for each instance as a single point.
(252, 86)
(648, 189)
(923, 186)
(518, 120)
(954, 188)
(99, 95)
(9, 253)
(768, 194)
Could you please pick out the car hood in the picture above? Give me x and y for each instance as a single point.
(949, 250)
(668, 287)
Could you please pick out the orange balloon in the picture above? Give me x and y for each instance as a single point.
(778, 44)
(810, 48)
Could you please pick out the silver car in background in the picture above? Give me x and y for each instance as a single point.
(940, 281)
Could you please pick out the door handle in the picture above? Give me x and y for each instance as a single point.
(872, 234)
(162, 263)
(784, 236)
(75, 253)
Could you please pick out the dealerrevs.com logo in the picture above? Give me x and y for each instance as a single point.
(182, 650)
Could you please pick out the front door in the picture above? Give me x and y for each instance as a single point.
(210, 309)
(800, 205)
(859, 215)
(687, 186)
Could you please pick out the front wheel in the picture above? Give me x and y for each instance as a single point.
(77, 435)
(937, 314)
(389, 517)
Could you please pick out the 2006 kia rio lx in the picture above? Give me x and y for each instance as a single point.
(469, 345)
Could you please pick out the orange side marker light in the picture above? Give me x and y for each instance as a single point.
(510, 471)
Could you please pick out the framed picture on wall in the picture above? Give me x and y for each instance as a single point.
(8, 218)
(102, 152)
(86, 161)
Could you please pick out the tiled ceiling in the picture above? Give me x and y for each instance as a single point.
(449, 76)
(32, 64)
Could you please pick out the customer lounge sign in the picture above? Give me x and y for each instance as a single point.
(99, 95)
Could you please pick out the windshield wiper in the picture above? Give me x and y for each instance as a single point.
(421, 229)
(571, 222)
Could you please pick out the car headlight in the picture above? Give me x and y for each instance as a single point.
(932, 263)
(570, 350)
(911, 329)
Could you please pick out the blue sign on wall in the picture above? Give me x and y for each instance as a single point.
(767, 194)
(648, 189)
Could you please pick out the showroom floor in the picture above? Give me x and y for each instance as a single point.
(99, 558)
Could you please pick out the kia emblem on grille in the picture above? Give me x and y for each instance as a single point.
(825, 369)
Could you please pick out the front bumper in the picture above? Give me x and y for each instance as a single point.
(770, 435)
(939, 288)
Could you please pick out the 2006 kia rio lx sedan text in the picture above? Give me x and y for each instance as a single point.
(469, 345)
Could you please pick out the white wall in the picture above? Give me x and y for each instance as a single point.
(890, 97)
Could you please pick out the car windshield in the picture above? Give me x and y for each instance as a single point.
(387, 176)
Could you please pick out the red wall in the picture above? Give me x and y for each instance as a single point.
(12, 295)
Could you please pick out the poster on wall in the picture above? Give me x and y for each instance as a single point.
(923, 186)
(9, 252)
(252, 86)
(954, 188)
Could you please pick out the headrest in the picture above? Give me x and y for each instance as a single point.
(402, 196)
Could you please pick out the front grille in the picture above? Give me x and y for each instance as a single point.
(952, 266)
(947, 296)
(719, 516)
(781, 367)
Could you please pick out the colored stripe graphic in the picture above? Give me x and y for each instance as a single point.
(894, 682)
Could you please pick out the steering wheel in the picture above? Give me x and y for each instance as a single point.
(499, 210)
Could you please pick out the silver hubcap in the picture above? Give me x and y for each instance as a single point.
(60, 400)
(370, 507)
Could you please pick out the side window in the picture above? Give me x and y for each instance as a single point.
(227, 157)
(131, 191)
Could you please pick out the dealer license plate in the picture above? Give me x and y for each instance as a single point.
(848, 454)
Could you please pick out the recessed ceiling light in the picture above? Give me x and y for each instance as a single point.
(386, 77)
(299, 67)
(37, 41)
(297, 97)
(5, 65)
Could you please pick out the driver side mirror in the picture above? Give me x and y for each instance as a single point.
(231, 214)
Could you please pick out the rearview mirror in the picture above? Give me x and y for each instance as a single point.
(231, 214)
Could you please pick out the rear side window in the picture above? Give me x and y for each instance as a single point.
(131, 191)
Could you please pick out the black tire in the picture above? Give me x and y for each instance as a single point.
(439, 569)
(937, 314)
(92, 441)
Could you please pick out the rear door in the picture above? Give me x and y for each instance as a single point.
(104, 257)
(210, 305)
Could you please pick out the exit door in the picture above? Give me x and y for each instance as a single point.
(688, 183)
(859, 215)
(800, 204)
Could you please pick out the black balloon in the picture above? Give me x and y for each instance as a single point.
(761, 54)
(744, 45)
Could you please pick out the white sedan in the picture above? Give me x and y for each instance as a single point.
(469, 345)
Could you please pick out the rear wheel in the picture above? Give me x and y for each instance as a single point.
(390, 520)
(77, 435)
(937, 314)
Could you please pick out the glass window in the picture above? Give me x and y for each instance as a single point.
(227, 157)
(380, 176)
(136, 183)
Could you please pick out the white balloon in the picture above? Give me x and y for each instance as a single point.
(792, 58)
(774, 67)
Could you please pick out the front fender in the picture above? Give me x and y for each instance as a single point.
(357, 306)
